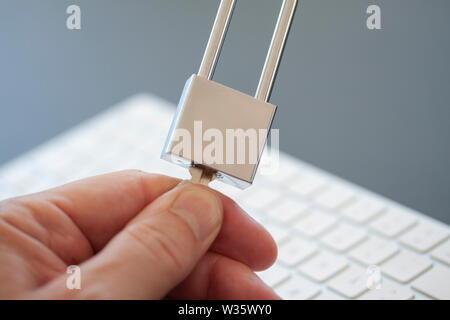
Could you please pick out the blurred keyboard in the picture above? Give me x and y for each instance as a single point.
(335, 239)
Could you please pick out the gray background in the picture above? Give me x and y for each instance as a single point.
(370, 106)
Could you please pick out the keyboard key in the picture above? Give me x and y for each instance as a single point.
(274, 276)
(405, 266)
(296, 288)
(363, 209)
(388, 291)
(343, 237)
(423, 237)
(295, 251)
(434, 283)
(259, 198)
(373, 251)
(350, 283)
(322, 266)
(278, 234)
(392, 223)
(307, 185)
(327, 295)
(332, 198)
(286, 171)
(442, 253)
(315, 223)
(287, 210)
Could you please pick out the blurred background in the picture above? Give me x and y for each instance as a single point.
(371, 106)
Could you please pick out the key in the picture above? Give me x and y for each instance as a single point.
(315, 223)
(307, 185)
(423, 237)
(434, 283)
(350, 283)
(322, 266)
(258, 198)
(274, 276)
(405, 266)
(278, 234)
(388, 291)
(373, 251)
(442, 253)
(334, 197)
(287, 210)
(297, 289)
(201, 175)
(295, 251)
(343, 237)
(287, 171)
(363, 209)
(392, 223)
(327, 295)
(211, 117)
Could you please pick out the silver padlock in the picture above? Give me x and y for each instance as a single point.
(209, 109)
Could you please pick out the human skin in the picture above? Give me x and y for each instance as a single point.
(135, 235)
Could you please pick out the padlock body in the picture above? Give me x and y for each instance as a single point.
(221, 125)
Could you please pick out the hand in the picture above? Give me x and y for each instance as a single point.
(135, 236)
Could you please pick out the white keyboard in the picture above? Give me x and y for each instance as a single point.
(336, 240)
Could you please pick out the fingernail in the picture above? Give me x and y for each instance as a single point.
(201, 210)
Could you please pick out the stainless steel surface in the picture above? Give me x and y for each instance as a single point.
(219, 108)
(216, 38)
(274, 54)
(275, 50)
(222, 109)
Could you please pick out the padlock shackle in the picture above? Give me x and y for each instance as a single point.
(216, 38)
(276, 48)
(274, 54)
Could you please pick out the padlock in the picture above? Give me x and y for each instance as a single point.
(227, 123)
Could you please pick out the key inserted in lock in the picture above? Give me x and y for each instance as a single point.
(208, 105)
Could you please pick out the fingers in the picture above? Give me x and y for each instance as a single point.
(75, 219)
(155, 251)
(219, 277)
(242, 238)
(101, 206)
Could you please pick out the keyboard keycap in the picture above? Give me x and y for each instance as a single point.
(274, 276)
(287, 171)
(287, 210)
(278, 234)
(405, 266)
(315, 223)
(388, 291)
(297, 289)
(343, 237)
(442, 253)
(373, 251)
(434, 283)
(259, 198)
(332, 198)
(350, 283)
(307, 185)
(322, 266)
(327, 295)
(423, 237)
(363, 209)
(295, 251)
(392, 223)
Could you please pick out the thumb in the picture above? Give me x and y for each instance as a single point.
(157, 249)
